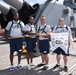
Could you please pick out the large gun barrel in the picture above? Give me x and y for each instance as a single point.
(15, 3)
(25, 9)
(4, 8)
(6, 14)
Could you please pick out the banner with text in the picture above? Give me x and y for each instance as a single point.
(59, 40)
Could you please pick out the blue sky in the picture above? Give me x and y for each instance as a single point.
(38, 1)
(41, 1)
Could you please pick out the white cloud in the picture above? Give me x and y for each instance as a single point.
(31, 3)
(35, 1)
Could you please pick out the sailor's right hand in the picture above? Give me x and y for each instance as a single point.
(7, 38)
(37, 34)
(25, 36)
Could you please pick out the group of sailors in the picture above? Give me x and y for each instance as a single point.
(36, 36)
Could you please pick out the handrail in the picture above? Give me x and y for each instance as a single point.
(25, 36)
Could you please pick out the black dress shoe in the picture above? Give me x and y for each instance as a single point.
(39, 65)
(44, 68)
(65, 68)
(56, 66)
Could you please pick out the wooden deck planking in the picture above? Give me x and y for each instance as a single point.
(5, 64)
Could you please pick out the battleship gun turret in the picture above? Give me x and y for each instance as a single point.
(25, 9)
(22, 7)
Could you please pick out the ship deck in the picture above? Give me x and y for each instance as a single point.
(5, 63)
